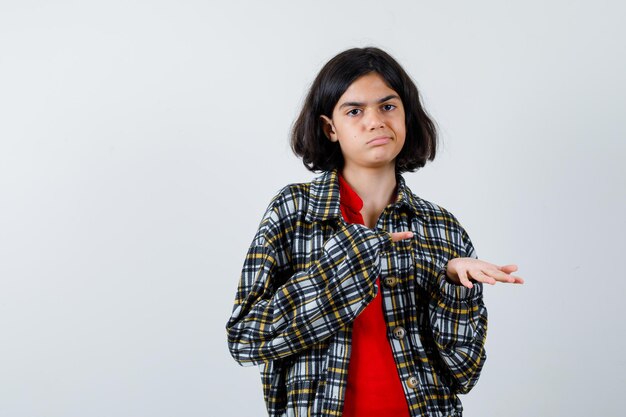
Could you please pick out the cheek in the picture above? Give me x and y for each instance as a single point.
(400, 128)
(399, 121)
(401, 134)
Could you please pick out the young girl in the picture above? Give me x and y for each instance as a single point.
(357, 297)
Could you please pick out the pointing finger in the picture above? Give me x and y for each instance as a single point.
(396, 236)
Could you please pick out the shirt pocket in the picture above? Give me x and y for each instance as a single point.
(426, 269)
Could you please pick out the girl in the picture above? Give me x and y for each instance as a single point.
(357, 297)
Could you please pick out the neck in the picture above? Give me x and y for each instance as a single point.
(375, 186)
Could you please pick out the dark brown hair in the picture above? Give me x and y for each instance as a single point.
(320, 154)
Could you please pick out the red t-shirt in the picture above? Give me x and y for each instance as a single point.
(374, 387)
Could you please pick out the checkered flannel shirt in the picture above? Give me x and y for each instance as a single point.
(308, 274)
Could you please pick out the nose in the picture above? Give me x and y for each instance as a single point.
(374, 120)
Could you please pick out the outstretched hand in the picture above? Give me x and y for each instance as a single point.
(461, 270)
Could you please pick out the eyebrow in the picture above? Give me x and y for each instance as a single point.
(359, 104)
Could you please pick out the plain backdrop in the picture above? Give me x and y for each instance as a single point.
(141, 141)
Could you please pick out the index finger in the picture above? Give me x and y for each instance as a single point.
(396, 236)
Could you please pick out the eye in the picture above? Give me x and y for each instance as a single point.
(388, 107)
(353, 112)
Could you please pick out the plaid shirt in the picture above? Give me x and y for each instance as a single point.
(308, 274)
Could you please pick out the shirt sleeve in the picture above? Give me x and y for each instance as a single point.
(459, 321)
(275, 317)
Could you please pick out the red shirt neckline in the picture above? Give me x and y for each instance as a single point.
(350, 202)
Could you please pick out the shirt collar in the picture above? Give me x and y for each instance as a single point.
(324, 202)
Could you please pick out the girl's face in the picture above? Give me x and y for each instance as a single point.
(368, 122)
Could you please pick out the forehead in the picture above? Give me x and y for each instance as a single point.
(370, 86)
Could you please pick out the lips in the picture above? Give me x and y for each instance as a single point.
(379, 140)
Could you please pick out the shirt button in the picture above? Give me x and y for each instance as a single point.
(399, 332)
(412, 382)
(390, 282)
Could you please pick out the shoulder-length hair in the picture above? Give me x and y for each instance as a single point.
(308, 140)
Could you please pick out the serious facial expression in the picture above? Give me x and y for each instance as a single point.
(368, 123)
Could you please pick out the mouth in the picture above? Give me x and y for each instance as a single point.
(379, 140)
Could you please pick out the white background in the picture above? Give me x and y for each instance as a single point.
(140, 142)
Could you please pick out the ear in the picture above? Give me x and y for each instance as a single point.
(328, 128)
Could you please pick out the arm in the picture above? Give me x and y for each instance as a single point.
(459, 321)
(275, 317)
(456, 287)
